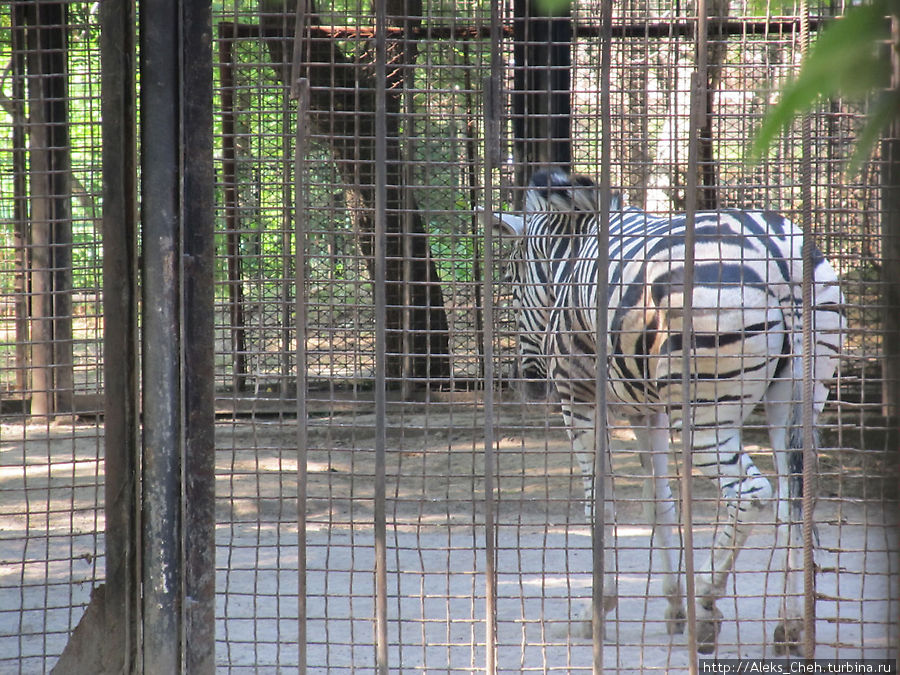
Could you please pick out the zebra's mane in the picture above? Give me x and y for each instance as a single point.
(555, 190)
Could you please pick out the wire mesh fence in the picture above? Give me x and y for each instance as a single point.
(366, 345)
(51, 435)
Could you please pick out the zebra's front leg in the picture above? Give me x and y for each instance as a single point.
(659, 507)
(746, 494)
(580, 424)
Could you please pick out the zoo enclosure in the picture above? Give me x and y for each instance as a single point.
(438, 114)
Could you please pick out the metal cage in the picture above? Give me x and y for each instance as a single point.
(388, 493)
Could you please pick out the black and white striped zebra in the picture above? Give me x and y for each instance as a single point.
(747, 348)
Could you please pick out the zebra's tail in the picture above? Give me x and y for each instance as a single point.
(796, 455)
(795, 425)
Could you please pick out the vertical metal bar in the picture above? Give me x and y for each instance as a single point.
(490, 528)
(808, 433)
(120, 336)
(380, 251)
(487, 350)
(601, 431)
(300, 225)
(178, 449)
(492, 159)
(197, 325)
(288, 195)
(697, 112)
(160, 189)
(687, 516)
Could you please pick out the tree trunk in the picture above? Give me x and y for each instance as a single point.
(542, 111)
(51, 209)
(343, 102)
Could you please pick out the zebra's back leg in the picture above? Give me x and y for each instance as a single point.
(659, 505)
(580, 424)
(746, 493)
(788, 518)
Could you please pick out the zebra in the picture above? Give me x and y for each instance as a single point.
(746, 349)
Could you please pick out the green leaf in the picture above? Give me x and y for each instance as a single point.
(882, 112)
(849, 60)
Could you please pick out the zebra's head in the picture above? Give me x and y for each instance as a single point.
(556, 205)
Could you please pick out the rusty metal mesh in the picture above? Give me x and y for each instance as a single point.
(398, 425)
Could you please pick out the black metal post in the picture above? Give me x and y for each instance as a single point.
(177, 237)
(162, 443)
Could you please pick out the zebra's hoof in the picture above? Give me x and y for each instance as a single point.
(788, 638)
(709, 623)
(676, 618)
(582, 624)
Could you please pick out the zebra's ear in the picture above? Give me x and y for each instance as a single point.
(506, 223)
(585, 193)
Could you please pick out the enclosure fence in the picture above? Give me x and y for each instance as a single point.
(395, 489)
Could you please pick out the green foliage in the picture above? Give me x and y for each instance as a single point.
(850, 60)
(772, 7)
(553, 7)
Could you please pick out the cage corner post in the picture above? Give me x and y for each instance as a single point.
(177, 472)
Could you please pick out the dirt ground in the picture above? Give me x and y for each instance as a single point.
(52, 543)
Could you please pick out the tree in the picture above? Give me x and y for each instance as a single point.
(343, 108)
(848, 60)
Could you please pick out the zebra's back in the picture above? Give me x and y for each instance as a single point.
(746, 315)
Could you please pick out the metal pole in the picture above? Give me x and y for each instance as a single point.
(160, 190)
(380, 251)
(697, 112)
(197, 321)
(491, 89)
(601, 432)
(300, 226)
(177, 236)
(120, 336)
(809, 448)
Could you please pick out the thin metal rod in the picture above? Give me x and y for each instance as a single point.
(697, 111)
(601, 432)
(687, 515)
(300, 228)
(490, 533)
(808, 433)
(380, 251)
(492, 159)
